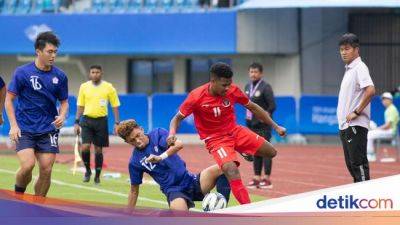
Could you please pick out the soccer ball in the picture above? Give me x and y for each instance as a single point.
(213, 201)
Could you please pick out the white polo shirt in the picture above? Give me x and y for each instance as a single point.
(355, 80)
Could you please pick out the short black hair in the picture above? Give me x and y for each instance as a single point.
(351, 39)
(44, 38)
(95, 67)
(256, 65)
(221, 70)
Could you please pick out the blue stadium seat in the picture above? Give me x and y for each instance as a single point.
(151, 5)
(9, 6)
(1, 5)
(50, 5)
(98, 6)
(38, 6)
(118, 6)
(192, 3)
(166, 4)
(24, 6)
(135, 5)
(179, 4)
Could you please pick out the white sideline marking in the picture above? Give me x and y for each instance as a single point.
(62, 183)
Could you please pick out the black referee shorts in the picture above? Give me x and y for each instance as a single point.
(95, 130)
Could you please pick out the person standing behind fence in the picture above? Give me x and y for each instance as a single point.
(354, 108)
(261, 93)
(93, 99)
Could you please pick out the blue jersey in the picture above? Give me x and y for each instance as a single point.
(171, 173)
(2, 84)
(38, 92)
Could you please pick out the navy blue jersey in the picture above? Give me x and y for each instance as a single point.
(2, 84)
(171, 173)
(37, 93)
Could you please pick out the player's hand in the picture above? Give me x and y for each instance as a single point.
(351, 117)
(15, 133)
(1, 119)
(153, 158)
(115, 129)
(77, 129)
(281, 131)
(171, 140)
(59, 122)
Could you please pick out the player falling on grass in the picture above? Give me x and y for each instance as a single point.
(212, 105)
(153, 156)
(35, 121)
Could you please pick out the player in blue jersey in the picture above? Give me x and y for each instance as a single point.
(2, 98)
(35, 120)
(153, 156)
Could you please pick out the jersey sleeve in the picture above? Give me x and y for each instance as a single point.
(364, 78)
(113, 97)
(81, 96)
(162, 139)
(2, 84)
(135, 174)
(63, 89)
(15, 84)
(187, 107)
(240, 96)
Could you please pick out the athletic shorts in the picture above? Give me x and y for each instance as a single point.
(190, 194)
(95, 131)
(43, 143)
(223, 148)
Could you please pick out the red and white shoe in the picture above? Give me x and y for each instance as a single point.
(265, 184)
(253, 184)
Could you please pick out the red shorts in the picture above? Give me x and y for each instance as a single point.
(223, 148)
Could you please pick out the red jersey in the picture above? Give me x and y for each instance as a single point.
(213, 115)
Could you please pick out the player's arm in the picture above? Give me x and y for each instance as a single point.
(132, 198)
(115, 103)
(173, 128)
(265, 118)
(173, 149)
(78, 114)
(15, 132)
(2, 100)
(60, 119)
(366, 99)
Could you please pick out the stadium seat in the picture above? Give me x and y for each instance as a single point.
(118, 6)
(50, 5)
(192, 3)
(135, 5)
(166, 5)
(150, 5)
(9, 6)
(37, 7)
(1, 5)
(24, 6)
(98, 6)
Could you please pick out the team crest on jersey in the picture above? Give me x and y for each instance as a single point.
(226, 103)
(55, 80)
(257, 94)
(156, 148)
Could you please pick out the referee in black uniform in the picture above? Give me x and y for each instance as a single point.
(260, 92)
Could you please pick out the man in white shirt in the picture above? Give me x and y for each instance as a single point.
(353, 111)
(387, 130)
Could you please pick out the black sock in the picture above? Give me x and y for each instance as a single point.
(98, 163)
(223, 187)
(86, 161)
(19, 190)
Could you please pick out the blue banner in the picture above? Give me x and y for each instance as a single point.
(318, 115)
(164, 107)
(139, 33)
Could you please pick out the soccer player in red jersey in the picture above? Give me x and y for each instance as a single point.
(212, 105)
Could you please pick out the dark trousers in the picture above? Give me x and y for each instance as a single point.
(354, 141)
(258, 162)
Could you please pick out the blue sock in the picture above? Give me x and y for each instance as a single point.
(223, 187)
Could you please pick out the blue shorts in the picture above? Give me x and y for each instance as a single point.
(190, 194)
(44, 143)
